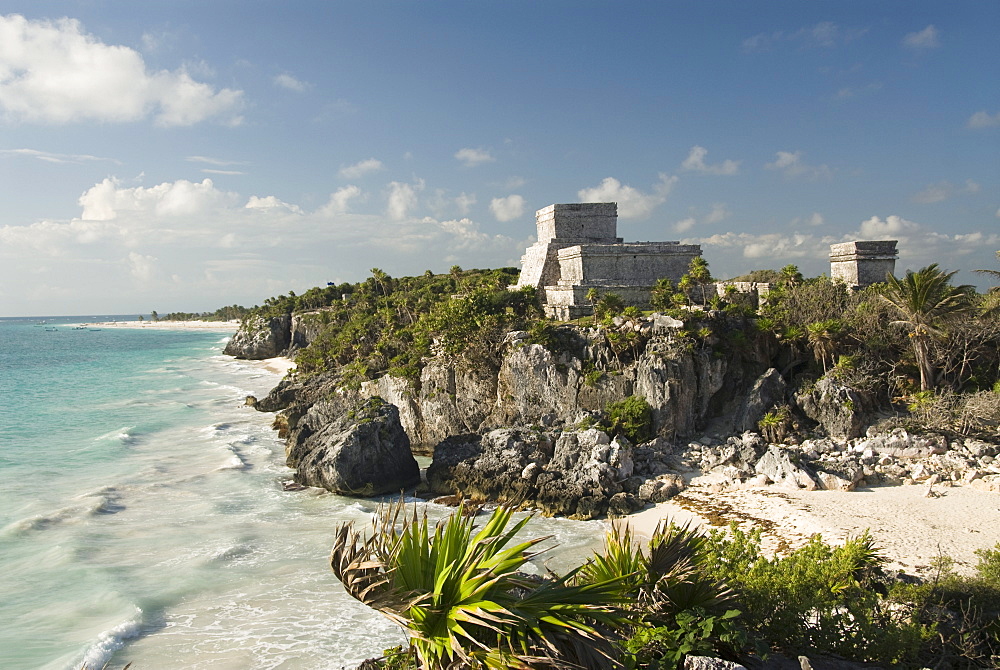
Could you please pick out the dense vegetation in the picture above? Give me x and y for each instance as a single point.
(461, 595)
(385, 324)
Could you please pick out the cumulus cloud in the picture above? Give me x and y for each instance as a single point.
(340, 200)
(271, 202)
(54, 72)
(361, 168)
(814, 220)
(928, 38)
(402, 198)
(136, 244)
(944, 190)
(291, 83)
(791, 165)
(695, 162)
(106, 200)
(984, 119)
(632, 203)
(507, 209)
(474, 157)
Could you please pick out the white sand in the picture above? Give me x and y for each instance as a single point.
(278, 365)
(220, 326)
(910, 528)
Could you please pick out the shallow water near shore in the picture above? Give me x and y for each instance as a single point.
(142, 516)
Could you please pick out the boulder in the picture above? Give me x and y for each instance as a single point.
(259, 338)
(783, 468)
(988, 483)
(843, 475)
(661, 489)
(769, 390)
(837, 408)
(355, 450)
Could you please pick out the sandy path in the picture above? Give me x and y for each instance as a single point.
(911, 528)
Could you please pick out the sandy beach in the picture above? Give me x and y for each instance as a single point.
(910, 527)
(220, 326)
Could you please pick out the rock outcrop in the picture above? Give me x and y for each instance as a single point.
(535, 386)
(580, 474)
(355, 449)
(837, 408)
(259, 338)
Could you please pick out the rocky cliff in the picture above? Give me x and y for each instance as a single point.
(685, 387)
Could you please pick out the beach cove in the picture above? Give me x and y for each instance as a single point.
(143, 516)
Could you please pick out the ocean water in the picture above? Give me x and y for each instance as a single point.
(143, 519)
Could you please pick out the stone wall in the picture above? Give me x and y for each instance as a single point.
(862, 263)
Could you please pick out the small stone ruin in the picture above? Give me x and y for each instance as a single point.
(578, 250)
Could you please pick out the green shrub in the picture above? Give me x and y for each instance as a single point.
(632, 417)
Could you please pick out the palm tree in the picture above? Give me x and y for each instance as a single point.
(991, 304)
(593, 296)
(460, 595)
(700, 275)
(790, 276)
(822, 336)
(925, 300)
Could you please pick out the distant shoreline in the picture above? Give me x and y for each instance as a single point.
(219, 326)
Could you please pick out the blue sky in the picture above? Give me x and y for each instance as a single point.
(186, 155)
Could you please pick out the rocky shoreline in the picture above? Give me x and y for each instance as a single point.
(526, 431)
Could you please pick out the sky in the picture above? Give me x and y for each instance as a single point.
(185, 155)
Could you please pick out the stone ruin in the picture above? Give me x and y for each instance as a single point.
(862, 263)
(578, 250)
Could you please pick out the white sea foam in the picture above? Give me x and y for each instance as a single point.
(123, 435)
(110, 641)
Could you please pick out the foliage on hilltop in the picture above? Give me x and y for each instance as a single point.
(386, 324)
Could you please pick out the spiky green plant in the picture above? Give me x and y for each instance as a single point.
(461, 597)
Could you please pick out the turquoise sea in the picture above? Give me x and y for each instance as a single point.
(143, 519)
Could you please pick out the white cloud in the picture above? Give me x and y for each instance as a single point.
(791, 165)
(133, 249)
(464, 202)
(984, 119)
(632, 203)
(141, 267)
(271, 202)
(944, 190)
(402, 198)
(825, 34)
(719, 213)
(53, 72)
(695, 162)
(291, 83)
(340, 200)
(361, 168)
(814, 220)
(927, 38)
(474, 157)
(106, 201)
(50, 157)
(877, 229)
(507, 209)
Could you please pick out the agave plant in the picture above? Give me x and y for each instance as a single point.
(462, 598)
(663, 580)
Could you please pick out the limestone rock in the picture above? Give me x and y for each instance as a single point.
(769, 390)
(988, 483)
(661, 489)
(781, 467)
(710, 663)
(837, 408)
(838, 475)
(259, 338)
(362, 451)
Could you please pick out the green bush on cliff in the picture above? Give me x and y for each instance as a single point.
(632, 417)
